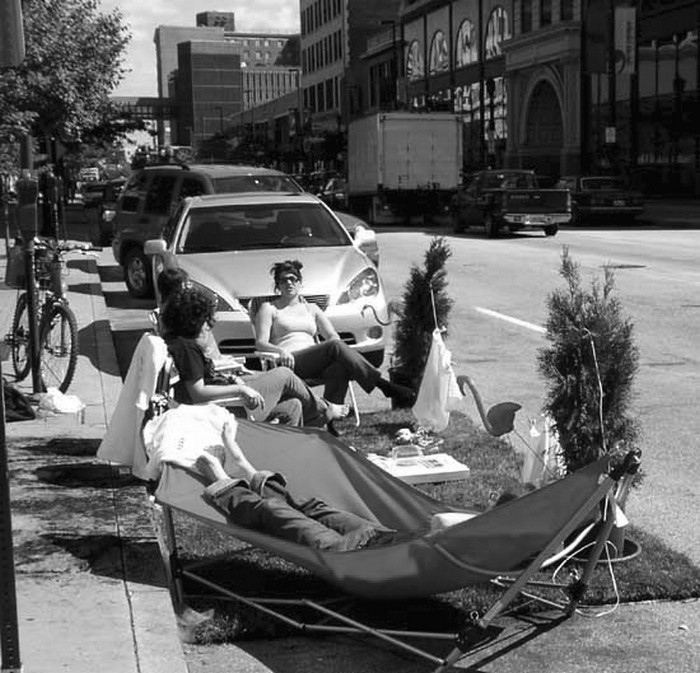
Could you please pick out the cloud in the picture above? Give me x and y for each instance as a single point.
(143, 17)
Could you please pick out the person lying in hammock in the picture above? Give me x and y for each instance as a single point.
(260, 500)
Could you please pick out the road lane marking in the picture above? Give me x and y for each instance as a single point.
(510, 319)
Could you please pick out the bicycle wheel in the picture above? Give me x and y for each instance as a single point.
(59, 348)
(19, 339)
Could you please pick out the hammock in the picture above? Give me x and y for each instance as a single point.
(495, 542)
(509, 543)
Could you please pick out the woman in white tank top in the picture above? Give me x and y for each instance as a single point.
(307, 342)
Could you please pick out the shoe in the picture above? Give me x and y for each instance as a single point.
(403, 396)
(330, 426)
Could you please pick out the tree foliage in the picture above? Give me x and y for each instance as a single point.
(73, 63)
(414, 328)
(589, 367)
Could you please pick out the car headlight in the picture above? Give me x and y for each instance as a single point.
(221, 304)
(365, 284)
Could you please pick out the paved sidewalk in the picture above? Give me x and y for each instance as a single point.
(86, 602)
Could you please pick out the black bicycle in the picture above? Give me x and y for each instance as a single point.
(58, 328)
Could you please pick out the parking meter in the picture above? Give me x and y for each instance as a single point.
(27, 193)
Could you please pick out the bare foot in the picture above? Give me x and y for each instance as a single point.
(210, 467)
(335, 411)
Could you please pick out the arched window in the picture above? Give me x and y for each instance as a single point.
(465, 48)
(497, 30)
(439, 54)
(414, 61)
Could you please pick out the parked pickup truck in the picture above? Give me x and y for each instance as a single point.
(509, 199)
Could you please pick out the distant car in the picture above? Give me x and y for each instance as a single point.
(100, 207)
(594, 197)
(335, 193)
(152, 195)
(227, 243)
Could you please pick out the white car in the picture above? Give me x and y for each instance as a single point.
(227, 243)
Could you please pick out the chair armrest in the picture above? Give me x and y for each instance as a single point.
(230, 363)
(267, 359)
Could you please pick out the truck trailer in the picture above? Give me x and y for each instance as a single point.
(403, 165)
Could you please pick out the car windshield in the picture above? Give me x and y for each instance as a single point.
(601, 183)
(234, 184)
(222, 228)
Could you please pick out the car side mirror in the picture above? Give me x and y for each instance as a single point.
(155, 246)
(363, 235)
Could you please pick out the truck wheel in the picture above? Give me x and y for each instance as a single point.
(137, 274)
(457, 225)
(551, 230)
(490, 226)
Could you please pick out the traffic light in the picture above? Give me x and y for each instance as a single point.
(11, 33)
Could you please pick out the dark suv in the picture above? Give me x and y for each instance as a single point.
(152, 194)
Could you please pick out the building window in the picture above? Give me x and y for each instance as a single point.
(439, 54)
(330, 103)
(497, 31)
(566, 10)
(266, 43)
(526, 17)
(319, 97)
(258, 55)
(545, 12)
(466, 51)
(414, 61)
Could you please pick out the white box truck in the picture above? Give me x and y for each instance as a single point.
(403, 165)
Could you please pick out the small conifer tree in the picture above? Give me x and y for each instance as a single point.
(414, 328)
(589, 367)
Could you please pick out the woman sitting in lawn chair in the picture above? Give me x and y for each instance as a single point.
(290, 327)
(183, 318)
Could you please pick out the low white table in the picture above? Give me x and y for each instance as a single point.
(422, 469)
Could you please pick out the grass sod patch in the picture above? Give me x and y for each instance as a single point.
(658, 573)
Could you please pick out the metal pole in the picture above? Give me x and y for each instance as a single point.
(9, 629)
(32, 313)
(482, 69)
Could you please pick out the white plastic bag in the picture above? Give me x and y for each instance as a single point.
(439, 393)
(53, 400)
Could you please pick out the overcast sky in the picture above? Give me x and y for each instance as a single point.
(143, 16)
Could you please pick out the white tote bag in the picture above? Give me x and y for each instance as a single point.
(439, 393)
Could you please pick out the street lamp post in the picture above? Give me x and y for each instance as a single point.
(394, 59)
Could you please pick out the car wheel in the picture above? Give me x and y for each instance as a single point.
(137, 274)
(457, 224)
(550, 230)
(490, 226)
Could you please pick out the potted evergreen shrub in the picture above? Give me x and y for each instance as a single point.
(589, 368)
(419, 313)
